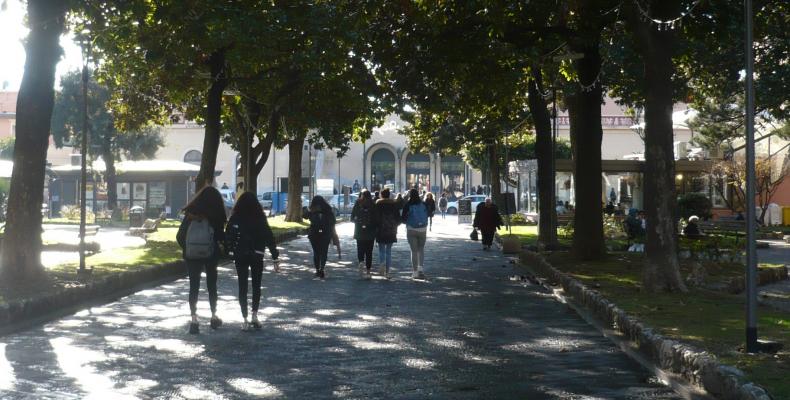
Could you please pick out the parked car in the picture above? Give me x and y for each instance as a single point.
(265, 199)
(452, 206)
(338, 204)
(228, 197)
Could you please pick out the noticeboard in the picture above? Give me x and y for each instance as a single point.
(506, 202)
(464, 211)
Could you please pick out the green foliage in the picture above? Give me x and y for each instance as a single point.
(613, 227)
(67, 122)
(7, 148)
(694, 204)
(519, 220)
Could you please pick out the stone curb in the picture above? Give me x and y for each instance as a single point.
(700, 368)
(50, 306)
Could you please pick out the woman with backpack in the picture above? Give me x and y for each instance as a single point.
(199, 236)
(387, 219)
(431, 204)
(364, 231)
(415, 215)
(246, 236)
(322, 228)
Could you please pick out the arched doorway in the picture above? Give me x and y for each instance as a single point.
(382, 169)
(453, 175)
(193, 157)
(418, 171)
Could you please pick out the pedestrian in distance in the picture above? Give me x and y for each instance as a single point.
(246, 236)
(430, 202)
(443, 205)
(362, 215)
(399, 200)
(415, 215)
(355, 187)
(322, 228)
(387, 219)
(200, 234)
(488, 220)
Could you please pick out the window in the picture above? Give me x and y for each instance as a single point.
(193, 157)
(382, 168)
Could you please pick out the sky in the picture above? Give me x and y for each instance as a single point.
(12, 52)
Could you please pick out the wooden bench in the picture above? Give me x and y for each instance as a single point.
(149, 226)
(725, 227)
(565, 219)
(103, 217)
(91, 230)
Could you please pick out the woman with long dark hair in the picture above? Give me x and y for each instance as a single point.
(387, 218)
(199, 236)
(247, 235)
(322, 227)
(415, 216)
(364, 231)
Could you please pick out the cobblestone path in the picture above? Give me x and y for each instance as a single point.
(468, 332)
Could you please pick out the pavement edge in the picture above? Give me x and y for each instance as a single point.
(699, 368)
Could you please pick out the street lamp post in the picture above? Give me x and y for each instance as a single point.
(751, 250)
(84, 156)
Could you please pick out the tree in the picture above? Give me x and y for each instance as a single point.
(21, 248)
(105, 139)
(730, 175)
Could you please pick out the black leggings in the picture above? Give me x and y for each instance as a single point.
(244, 265)
(195, 268)
(320, 245)
(365, 252)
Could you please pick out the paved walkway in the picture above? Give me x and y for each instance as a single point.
(468, 332)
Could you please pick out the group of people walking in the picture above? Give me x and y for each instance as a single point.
(204, 231)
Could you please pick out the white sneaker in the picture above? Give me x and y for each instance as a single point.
(415, 275)
(382, 270)
(362, 268)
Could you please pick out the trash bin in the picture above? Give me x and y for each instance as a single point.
(136, 217)
(786, 216)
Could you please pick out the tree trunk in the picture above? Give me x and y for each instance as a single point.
(547, 236)
(294, 210)
(109, 174)
(21, 249)
(493, 165)
(588, 241)
(219, 80)
(661, 271)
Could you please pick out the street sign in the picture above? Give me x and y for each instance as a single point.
(464, 211)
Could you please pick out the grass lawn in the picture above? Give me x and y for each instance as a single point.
(710, 320)
(161, 248)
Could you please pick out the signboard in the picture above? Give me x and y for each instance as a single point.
(325, 187)
(157, 194)
(464, 211)
(123, 190)
(506, 203)
(140, 190)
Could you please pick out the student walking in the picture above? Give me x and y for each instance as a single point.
(415, 215)
(387, 219)
(199, 236)
(364, 231)
(322, 228)
(246, 236)
(488, 220)
(430, 202)
(443, 205)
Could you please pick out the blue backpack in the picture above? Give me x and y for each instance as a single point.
(418, 216)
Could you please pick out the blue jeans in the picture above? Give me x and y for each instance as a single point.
(385, 251)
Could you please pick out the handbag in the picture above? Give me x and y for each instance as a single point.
(473, 235)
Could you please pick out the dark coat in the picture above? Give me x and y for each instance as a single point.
(259, 230)
(181, 236)
(322, 224)
(431, 204)
(363, 216)
(387, 217)
(487, 218)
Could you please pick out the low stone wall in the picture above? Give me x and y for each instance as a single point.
(52, 305)
(698, 367)
(765, 276)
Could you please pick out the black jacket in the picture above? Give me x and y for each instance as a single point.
(181, 236)
(322, 224)
(431, 204)
(387, 218)
(258, 230)
(364, 219)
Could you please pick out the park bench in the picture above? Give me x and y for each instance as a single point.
(724, 227)
(149, 226)
(564, 219)
(91, 230)
(103, 217)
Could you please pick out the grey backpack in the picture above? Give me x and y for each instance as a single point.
(200, 240)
